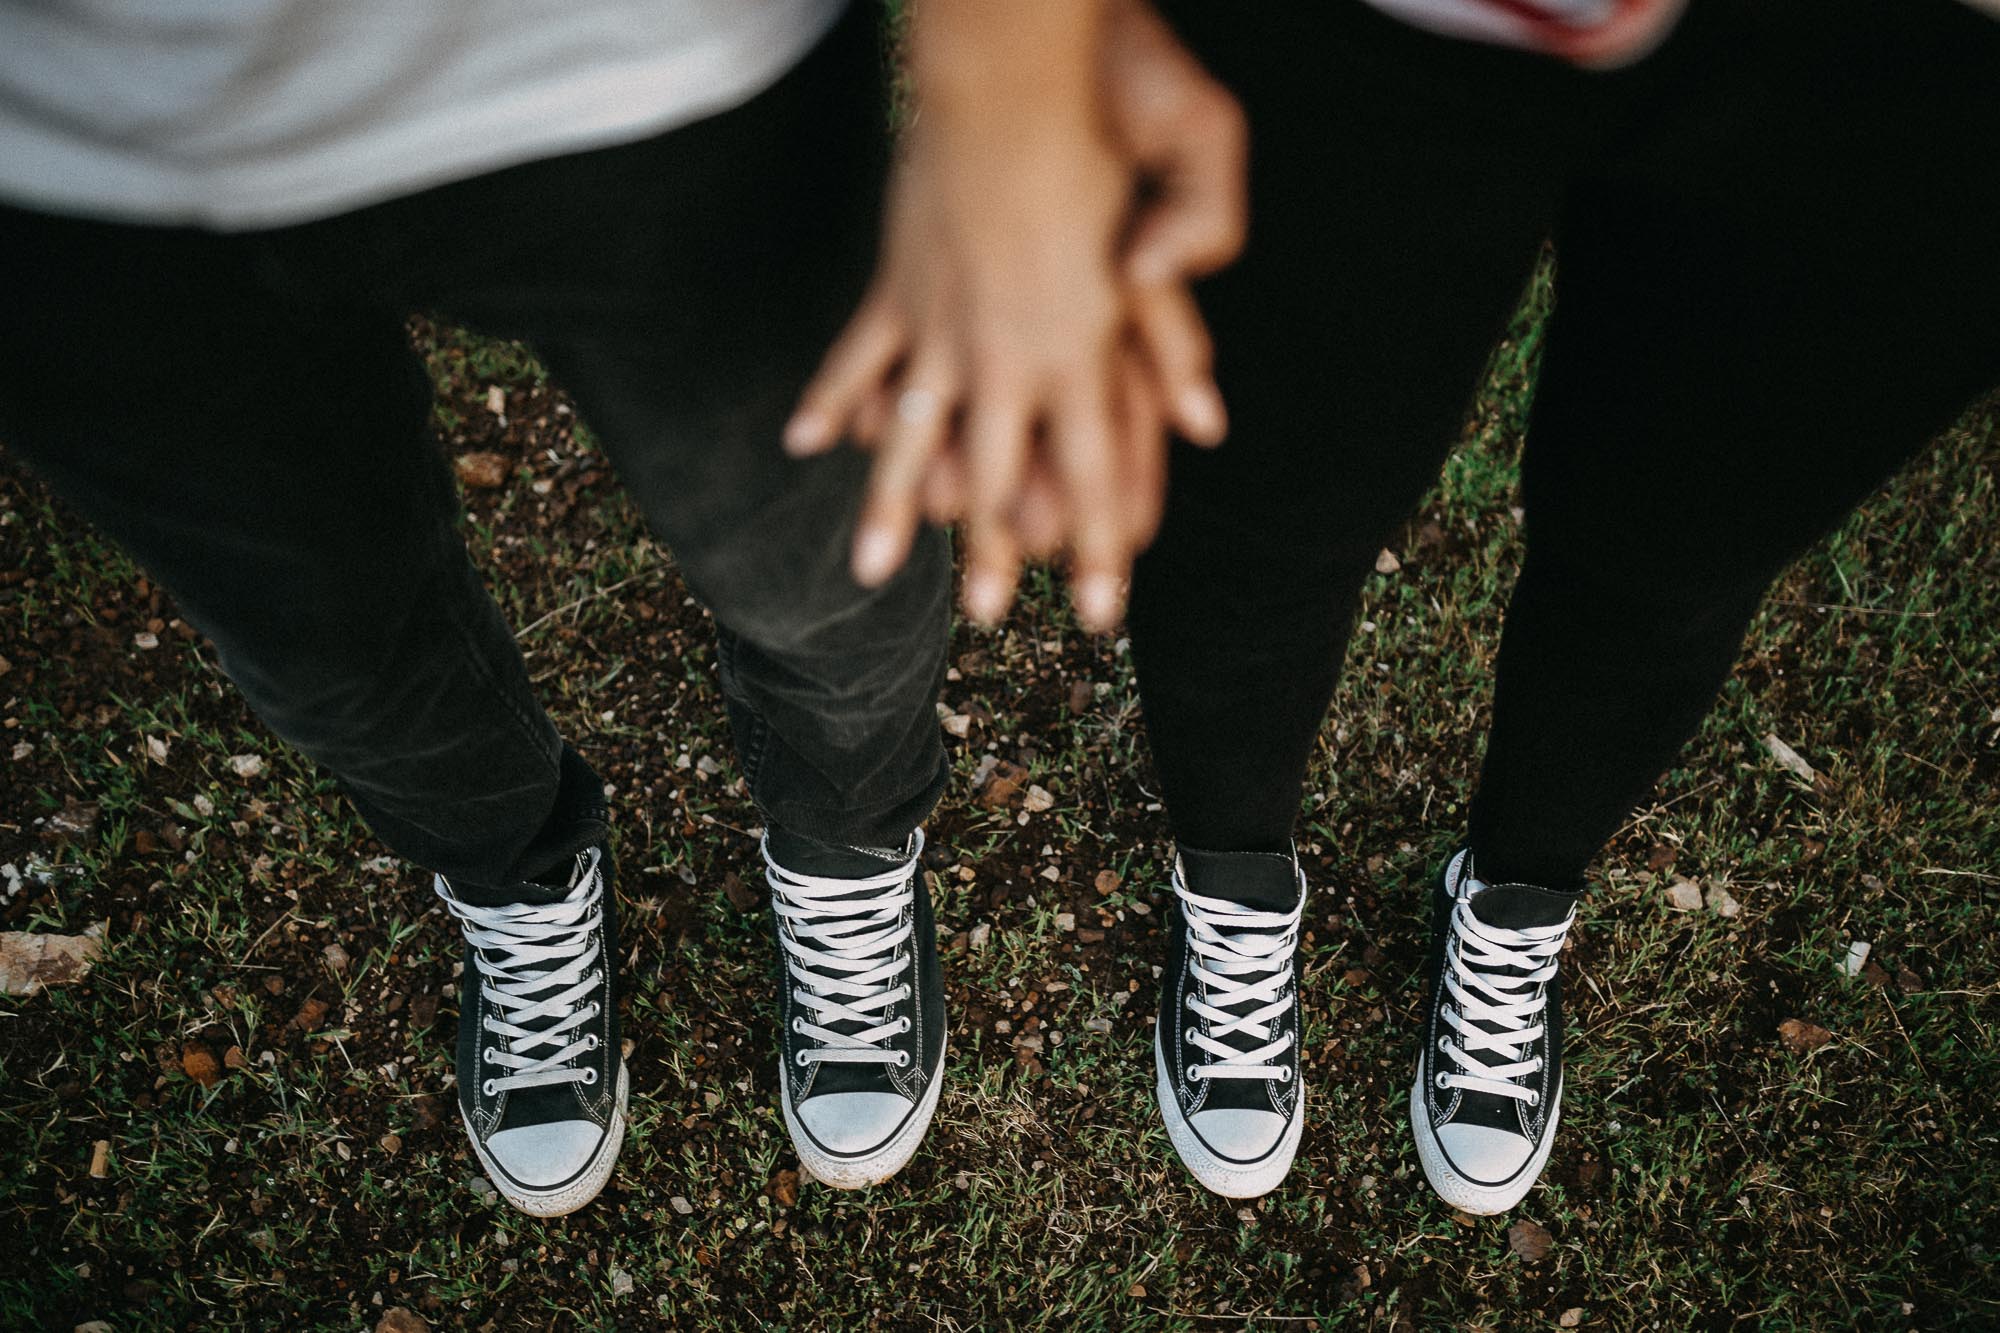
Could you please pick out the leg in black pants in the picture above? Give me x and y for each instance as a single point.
(1765, 305)
(243, 413)
(1773, 288)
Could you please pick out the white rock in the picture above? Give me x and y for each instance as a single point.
(246, 765)
(1037, 800)
(1857, 957)
(1789, 759)
(1684, 896)
(975, 939)
(1721, 903)
(681, 1206)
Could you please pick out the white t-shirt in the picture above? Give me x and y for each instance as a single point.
(238, 114)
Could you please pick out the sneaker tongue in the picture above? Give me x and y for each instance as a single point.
(1518, 906)
(809, 856)
(1267, 881)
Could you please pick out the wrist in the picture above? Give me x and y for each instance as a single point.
(1007, 65)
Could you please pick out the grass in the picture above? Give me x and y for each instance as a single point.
(1706, 1175)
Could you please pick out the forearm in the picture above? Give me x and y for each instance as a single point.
(1006, 65)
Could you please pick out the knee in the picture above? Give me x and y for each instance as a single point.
(796, 598)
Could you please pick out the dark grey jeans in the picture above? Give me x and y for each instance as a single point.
(243, 413)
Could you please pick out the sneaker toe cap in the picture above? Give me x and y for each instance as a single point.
(1483, 1154)
(853, 1122)
(546, 1154)
(1239, 1133)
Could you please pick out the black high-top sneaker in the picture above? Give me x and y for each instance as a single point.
(1226, 1045)
(1489, 1082)
(861, 1001)
(541, 1083)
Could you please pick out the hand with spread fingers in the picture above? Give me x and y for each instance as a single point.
(1029, 337)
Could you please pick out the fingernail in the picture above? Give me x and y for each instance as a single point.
(1202, 413)
(804, 432)
(1098, 600)
(986, 597)
(875, 552)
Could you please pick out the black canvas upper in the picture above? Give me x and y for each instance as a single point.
(924, 1042)
(1265, 882)
(519, 1107)
(1513, 906)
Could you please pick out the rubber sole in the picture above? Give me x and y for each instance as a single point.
(1232, 1180)
(861, 1171)
(579, 1189)
(1469, 1195)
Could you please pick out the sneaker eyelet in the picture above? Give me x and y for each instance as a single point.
(902, 1059)
(1188, 1002)
(589, 1077)
(595, 1008)
(489, 1055)
(1193, 1074)
(1285, 1074)
(798, 1025)
(799, 1059)
(1440, 1083)
(1534, 1099)
(906, 1025)
(489, 1088)
(593, 1042)
(1444, 1045)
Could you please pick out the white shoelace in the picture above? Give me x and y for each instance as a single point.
(539, 973)
(845, 943)
(1495, 975)
(1240, 956)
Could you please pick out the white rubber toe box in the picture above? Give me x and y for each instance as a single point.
(1485, 1155)
(1237, 1133)
(541, 1155)
(853, 1122)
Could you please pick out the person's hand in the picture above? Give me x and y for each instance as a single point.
(1011, 358)
(1187, 141)
(995, 314)
(1187, 138)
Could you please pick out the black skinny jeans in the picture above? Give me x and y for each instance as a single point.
(244, 414)
(1778, 276)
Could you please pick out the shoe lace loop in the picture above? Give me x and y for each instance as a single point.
(1241, 962)
(846, 948)
(1496, 977)
(536, 972)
